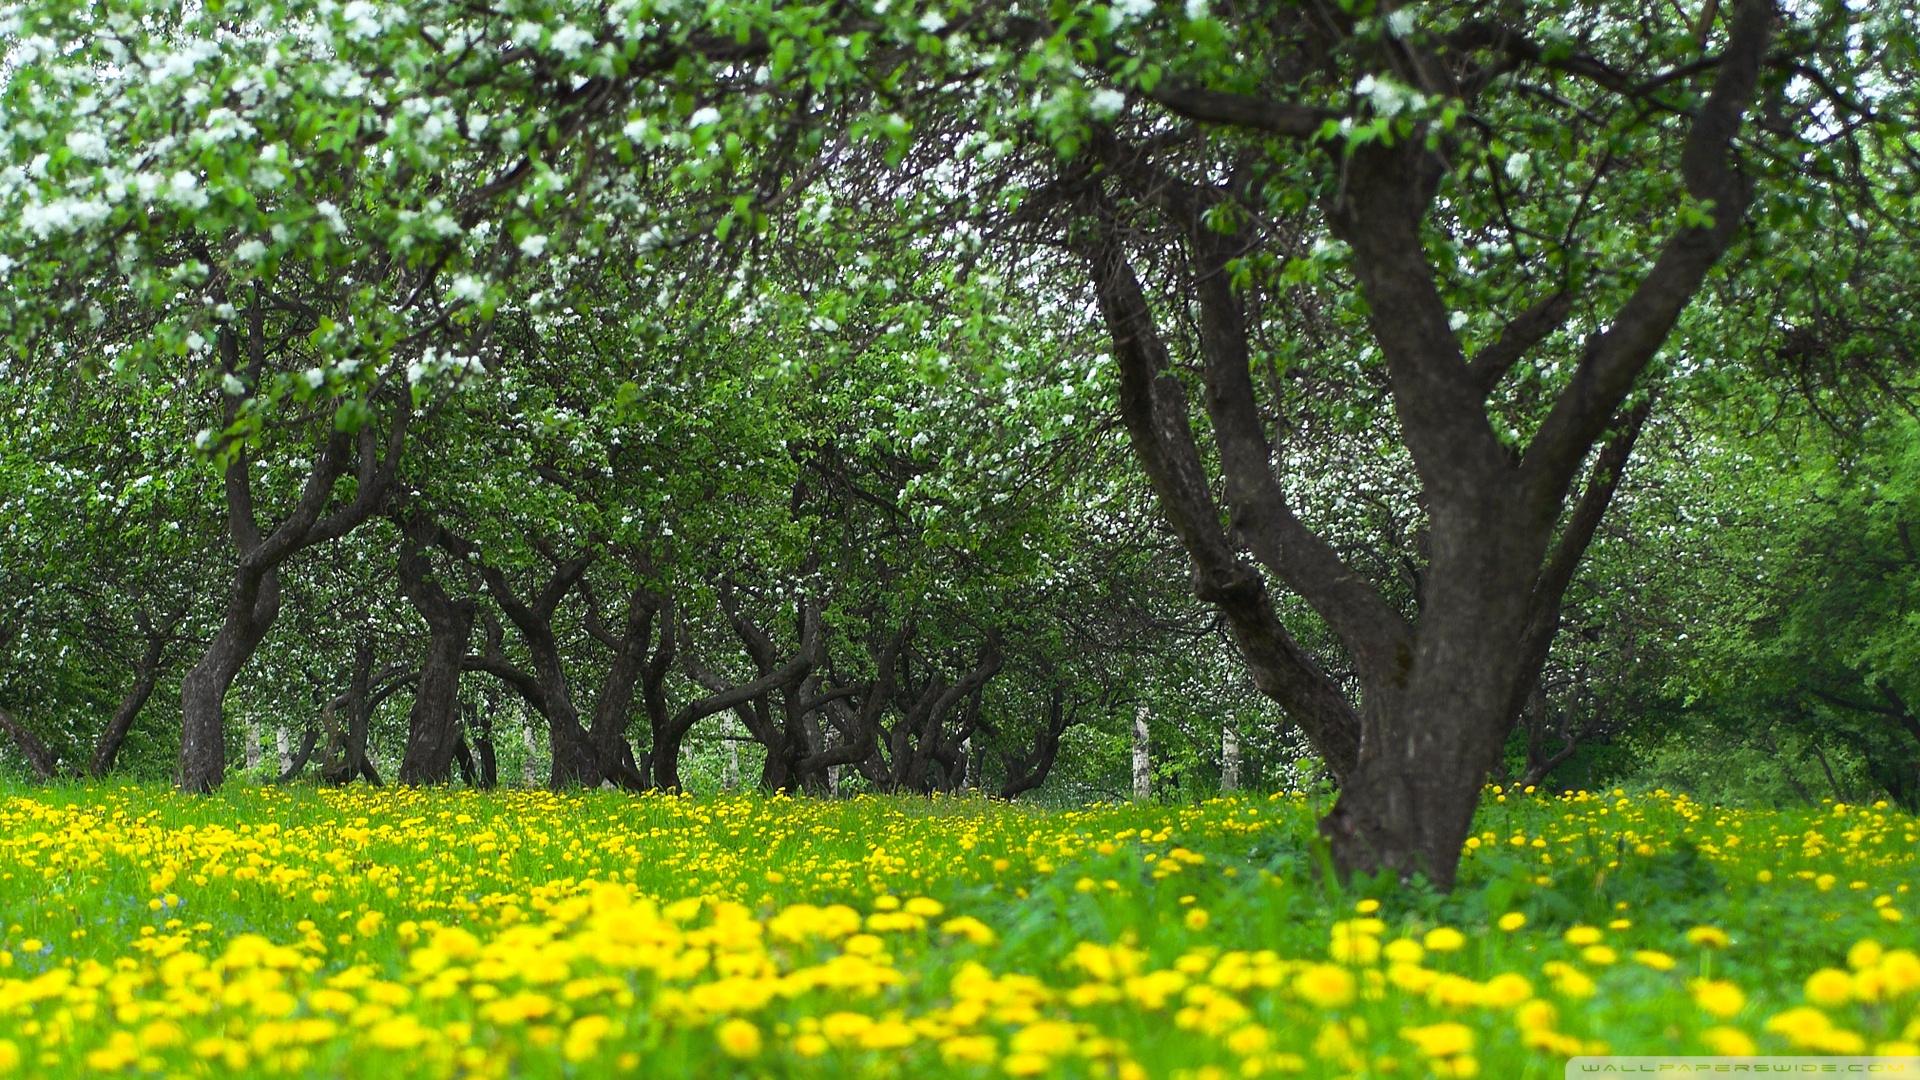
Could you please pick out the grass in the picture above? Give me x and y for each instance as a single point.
(297, 931)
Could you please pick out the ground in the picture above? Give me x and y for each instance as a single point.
(451, 933)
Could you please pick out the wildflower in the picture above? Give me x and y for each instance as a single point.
(888, 1035)
(1505, 990)
(1829, 987)
(1025, 1064)
(1654, 959)
(1582, 935)
(1708, 937)
(738, 1038)
(584, 1036)
(1404, 951)
(1719, 998)
(1729, 1042)
(1440, 1040)
(1536, 1015)
(1864, 954)
(969, 1050)
(402, 1032)
(1325, 985)
(968, 927)
(845, 1027)
(1568, 980)
(1444, 939)
(1048, 1037)
(1512, 920)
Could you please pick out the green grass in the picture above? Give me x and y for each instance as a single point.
(380, 933)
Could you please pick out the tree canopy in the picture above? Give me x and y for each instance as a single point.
(916, 395)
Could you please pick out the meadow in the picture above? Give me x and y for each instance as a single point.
(389, 933)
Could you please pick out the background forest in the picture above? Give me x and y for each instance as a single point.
(513, 398)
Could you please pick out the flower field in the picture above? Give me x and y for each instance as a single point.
(416, 933)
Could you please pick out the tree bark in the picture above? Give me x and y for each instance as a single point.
(39, 758)
(146, 676)
(433, 734)
(669, 736)
(1142, 767)
(347, 756)
(545, 688)
(1229, 756)
(252, 606)
(1031, 771)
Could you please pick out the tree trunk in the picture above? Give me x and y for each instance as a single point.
(251, 609)
(530, 765)
(295, 764)
(1229, 756)
(1439, 683)
(433, 733)
(1408, 805)
(1028, 773)
(39, 758)
(347, 758)
(146, 675)
(1142, 771)
(480, 727)
(613, 705)
(463, 756)
(730, 772)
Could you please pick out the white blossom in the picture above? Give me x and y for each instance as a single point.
(571, 41)
(1519, 166)
(1106, 103)
(533, 246)
(1129, 10)
(1400, 23)
(63, 215)
(706, 115)
(362, 19)
(1389, 98)
(224, 124)
(1197, 10)
(90, 145)
(184, 191)
(332, 215)
(250, 251)
(469, 288)
(933, 22)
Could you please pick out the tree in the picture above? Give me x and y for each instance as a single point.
(1527, 204)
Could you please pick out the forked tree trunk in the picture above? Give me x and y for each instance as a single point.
(254, 600)
(251, 609)
(1439, 684)
(433, 733)
(146, 676)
